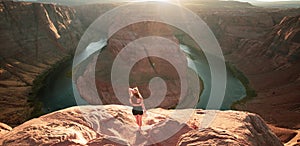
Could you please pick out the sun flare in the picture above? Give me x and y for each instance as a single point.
(150, 0)
(169, 1)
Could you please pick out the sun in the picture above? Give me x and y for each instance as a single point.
(150, 0)
(169, 1)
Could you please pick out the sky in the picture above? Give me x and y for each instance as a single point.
(275, 0)
(106, 1)
(237, 0)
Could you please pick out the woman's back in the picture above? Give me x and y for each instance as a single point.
(136, 100)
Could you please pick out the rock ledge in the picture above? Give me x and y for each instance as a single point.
(114, 124)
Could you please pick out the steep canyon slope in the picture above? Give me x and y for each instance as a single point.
(272, 66)
(34, 37)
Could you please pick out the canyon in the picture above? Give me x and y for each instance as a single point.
(261, 43)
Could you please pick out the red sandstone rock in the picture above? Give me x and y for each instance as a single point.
(115, 125)
(4, 129)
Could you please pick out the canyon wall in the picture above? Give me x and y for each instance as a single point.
(34, 37)
(272, 67)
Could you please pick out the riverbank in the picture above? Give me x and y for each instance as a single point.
(58, 92)
(20, 82)
(250, 92)
(39, 83)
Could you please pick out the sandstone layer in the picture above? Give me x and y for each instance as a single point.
(115, 125)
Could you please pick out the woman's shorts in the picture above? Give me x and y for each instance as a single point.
(137, 110)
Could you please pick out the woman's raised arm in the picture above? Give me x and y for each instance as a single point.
(144, 109)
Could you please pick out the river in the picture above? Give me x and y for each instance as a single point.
(58, 93)
(235, 90)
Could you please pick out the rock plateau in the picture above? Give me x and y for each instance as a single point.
(115, 125)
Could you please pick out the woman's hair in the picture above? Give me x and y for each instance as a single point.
(137, 95)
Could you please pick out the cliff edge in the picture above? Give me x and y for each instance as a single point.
(114, 124)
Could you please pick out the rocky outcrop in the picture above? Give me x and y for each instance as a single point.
(144, 69)
(4, 129)
(34, 37)
(285, 135)
(295, 141)
(114, 124)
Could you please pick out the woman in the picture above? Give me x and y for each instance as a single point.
(137, 101)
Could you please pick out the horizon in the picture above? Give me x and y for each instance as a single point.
(268, 0)
(106, 1)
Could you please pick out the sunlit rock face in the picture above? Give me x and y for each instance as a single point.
(4, 129)
(115, 124)
(33, 38)
(143, 70)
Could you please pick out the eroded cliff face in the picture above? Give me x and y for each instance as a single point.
(272, 66)
(34, 37)
(115, 125)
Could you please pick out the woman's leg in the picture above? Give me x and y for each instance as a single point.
(136, 119)
(140, 120)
